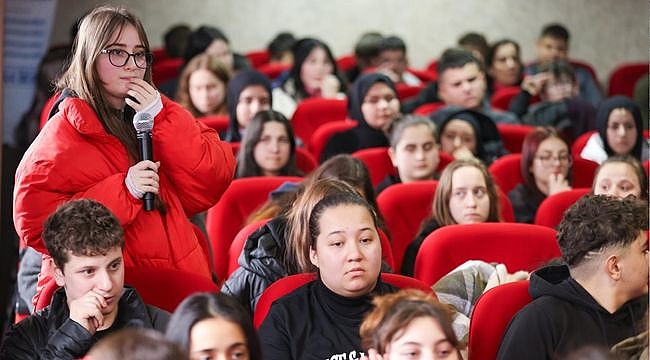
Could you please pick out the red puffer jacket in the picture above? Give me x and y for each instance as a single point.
(74, 157)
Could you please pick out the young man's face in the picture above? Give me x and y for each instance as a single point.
(101, 274)
(633, 265)
(550, 49)
(395, 60)
(464, 86)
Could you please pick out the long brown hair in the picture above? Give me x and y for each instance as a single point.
(97, 29)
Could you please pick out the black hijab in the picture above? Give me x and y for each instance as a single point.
(602, 118)
(489, 145)
(236, 85)
(367, 136)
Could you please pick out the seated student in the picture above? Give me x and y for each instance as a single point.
(601, 293)
(212, 41)
(413, 151)
(560, 105)
(465, 133)
(366, 55)
(314, 74)
(272, 251)
(553, 45)
(374, 104)
(504, 66)
(620, 131)
(202, 86)
(175, 40)
(214, 326)
(394, 62)
(280, 48)
(268, 147)
(476, 44)
(85, 241)
(345, 250)
(545, 168)
(461, 83)
(248, 93)
(135, 344)
(465, 194)
(409, 324)
(621, 176)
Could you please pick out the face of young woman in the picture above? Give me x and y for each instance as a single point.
(116, 80)
(273, 149)
(617, 179)
(221, 50)
(422, 338)
(348, 250)
(207, 91)
(621, 131)
(217, 338)
(469, 201)
(314, 69)
(506, 65)
(416, 154)
(458, 134)
(380, 106)
(552, 158)
(252, 99)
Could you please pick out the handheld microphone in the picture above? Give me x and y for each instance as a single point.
(143, 123)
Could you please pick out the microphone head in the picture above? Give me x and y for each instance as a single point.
(142, 122)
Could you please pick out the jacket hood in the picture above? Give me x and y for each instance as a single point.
(236, 85)
(263, 251)
(556, 281)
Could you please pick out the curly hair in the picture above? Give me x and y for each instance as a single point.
(596, 222)
(394, 312)
(81, 227)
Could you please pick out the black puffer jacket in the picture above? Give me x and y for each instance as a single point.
(51, 334)
(260, 264)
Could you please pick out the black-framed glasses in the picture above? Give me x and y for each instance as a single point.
(119, 57)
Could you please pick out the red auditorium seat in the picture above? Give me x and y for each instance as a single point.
(491, 316)
(346, 62)
(501, 98)
(272, 71)
(407, 91)
(258, 58)
(513, 135)
(310, 114)
(217, 122)
(624, 77)
(228, 216)
(518, 246)
(428, 108)
(580, 142)
(166, 69)
(551, 210)
(322, 135)
(424, 75)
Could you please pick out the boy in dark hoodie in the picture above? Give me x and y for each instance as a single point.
(600, 296)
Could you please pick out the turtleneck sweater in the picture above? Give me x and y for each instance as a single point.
(313, 322)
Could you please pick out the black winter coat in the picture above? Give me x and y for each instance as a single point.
(51, 334)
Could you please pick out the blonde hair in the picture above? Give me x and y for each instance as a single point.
(201, 62)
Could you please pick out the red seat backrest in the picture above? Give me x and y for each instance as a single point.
(624, 77)
(506, 172)
(424, 75)
(513, 135)
(228, 216)
(501, 98)
(323, 133)
(428, 108)
(580, 142)
(290, 283)
(312, 113)
(272, 71)
(378, 163)
(218, 122)
(551, 210)
(491, 316)
(346, 62)
(406, 91)
(258, 58)
(518, 246)
(165, 69)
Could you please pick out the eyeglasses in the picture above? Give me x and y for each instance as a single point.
(119, 57)
(549, 160)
